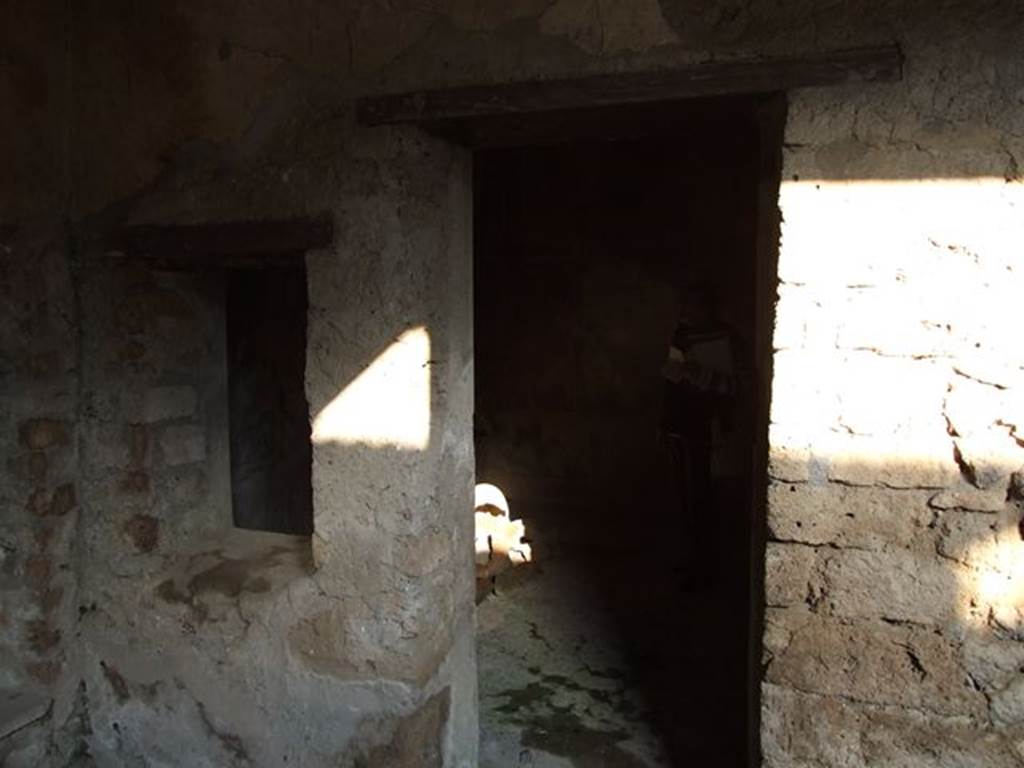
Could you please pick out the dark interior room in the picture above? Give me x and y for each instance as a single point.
(627, 637)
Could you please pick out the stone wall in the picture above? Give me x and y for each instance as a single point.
(893, 567)
(892, 634)
(41, 491)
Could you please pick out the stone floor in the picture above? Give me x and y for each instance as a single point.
(604, 660)
(555, 685)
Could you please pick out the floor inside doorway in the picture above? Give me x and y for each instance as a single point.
(580, 667)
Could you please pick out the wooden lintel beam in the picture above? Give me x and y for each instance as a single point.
(234, 242)
(715, 78)
(217, 261)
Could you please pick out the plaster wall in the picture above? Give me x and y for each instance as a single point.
(217, 646)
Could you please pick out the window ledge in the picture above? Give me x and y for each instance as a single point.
(234, 563)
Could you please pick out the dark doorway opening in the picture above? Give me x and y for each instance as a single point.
(271, 453)
(633, 637)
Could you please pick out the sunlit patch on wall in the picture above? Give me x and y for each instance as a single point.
(895, 368)
(993, 585)
(388, 404)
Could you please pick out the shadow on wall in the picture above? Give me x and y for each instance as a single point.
(895, 613)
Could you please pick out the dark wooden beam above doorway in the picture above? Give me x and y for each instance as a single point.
(714, 78)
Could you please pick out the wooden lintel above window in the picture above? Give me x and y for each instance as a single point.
(713, 78)
(266, 242)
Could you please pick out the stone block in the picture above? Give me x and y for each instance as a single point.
(107, 445)
(134, 482)
(1007, 611)
(987, 459)
(866, 518)
(41, 637)
(37, 502)
(885, 395)
(183, 444)
(921, 460)
(169, 402)
(965, 497)
(802, 729)
(799, 398)
(892, 321)
(143, 531)
(993, 583)
(992, 662)
(187, 485)
(899, 585)
(967, 537)
(789, 574)
(985, 362)
(789, 458)
(1008, 704)
(39, 434)
(138, 444)
(778, 633)
(982, 333)
(57, 504)
(871, 662)
(38, 570)
(789, 466)
(819, 246)
(63, 500)
(801, 320)
(32, 467)
(973, 407)
(121, 404)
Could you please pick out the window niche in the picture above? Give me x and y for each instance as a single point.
(259, 269)
(269, 433)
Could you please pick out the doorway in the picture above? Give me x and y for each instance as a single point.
(632, 639)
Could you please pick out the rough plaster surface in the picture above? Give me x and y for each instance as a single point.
(891, 637)
(345, 650)
(165, 636)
